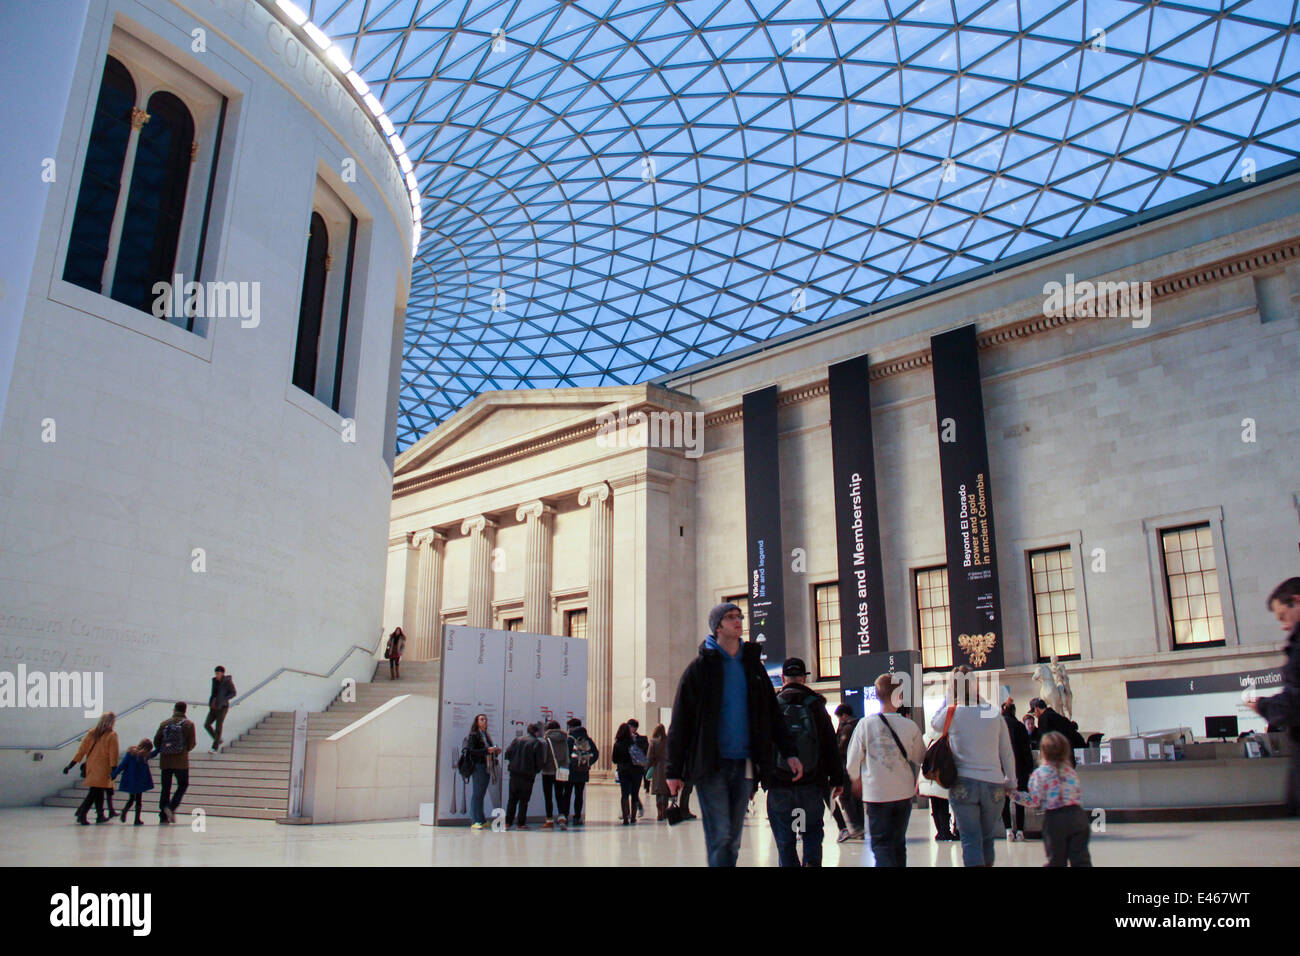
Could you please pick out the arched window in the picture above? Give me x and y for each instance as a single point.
(101, 179)
(156, 202)
(313, 303)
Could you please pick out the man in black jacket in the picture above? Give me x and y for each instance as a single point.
(1024, 754)
(1283, 708)
(223, 692)
(727, 729)
(525, 757)
(795, 807)
(1049, 720)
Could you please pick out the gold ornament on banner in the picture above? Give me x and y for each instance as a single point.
(977, 646)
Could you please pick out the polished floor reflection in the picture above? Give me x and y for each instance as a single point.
(46, 836)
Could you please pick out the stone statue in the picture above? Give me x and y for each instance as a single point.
(1054, 687)
(1063, 688)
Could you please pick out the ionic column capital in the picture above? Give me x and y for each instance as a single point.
(598, 493)
(427, 538)
(532, 510)
(477, 524)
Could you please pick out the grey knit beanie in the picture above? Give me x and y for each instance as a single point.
(715, 616)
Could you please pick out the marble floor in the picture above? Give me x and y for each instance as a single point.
(47, 836)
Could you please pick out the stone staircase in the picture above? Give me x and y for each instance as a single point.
(250, 777)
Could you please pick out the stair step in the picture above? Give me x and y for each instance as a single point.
(150, 813)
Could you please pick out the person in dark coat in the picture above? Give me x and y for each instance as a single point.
(1050, 721)
(1283, 709)
(525, 756)
(583, 755)
(223, 692)
(1024, 754)
(847, 812)
(726, 720)
(136, 777)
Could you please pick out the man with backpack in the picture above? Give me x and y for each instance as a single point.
(582, 757)
(174, 741)
(525, 756)
(725, 721)
(640, 751)
(796, 806)
(881, 755)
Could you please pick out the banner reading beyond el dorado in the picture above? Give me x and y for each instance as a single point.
(975, 608)
(763, 528)
(857, 521)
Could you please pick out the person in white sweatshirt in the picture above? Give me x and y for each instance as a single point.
(986, 765)
(883, 754)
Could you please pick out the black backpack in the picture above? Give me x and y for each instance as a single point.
(465, 763)
(173, 737)
(799, 721)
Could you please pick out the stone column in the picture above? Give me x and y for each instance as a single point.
(482, 532)
(600, 605)
(428, 603)
(537, 565)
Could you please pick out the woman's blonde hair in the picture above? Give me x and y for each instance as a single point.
(105, 726)
(1055, 748)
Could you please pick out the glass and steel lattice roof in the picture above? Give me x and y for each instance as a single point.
(615, 190)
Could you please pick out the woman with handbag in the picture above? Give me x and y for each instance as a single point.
(393, 652)
(555, 776)
(99, 750)
(657, 772)
(976, 734)
(629, 774)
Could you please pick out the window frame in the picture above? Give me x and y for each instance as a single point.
(913, 571)
(1162, 611)
(817, 587)
(1037, 655)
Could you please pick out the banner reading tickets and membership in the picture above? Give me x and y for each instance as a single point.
(975, 607)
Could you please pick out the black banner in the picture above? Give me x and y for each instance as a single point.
(857, 521)
(975, 608)
(763, 528)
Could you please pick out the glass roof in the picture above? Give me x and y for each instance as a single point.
(616, 190)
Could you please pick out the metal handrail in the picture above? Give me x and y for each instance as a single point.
(238, 700)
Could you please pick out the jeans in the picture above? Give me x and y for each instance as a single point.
(847, 812)
(724, 798)
(521, 788)
(479, 784)
(977, 805)
(629, 781)
(217, 717)
(1065, 836)
(888, 825)
(783, 806)
(165, 800)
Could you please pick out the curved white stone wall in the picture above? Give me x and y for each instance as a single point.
(194, 508)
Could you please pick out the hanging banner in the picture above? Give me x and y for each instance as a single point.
(857, 521)
(975, 611)
(763, 529)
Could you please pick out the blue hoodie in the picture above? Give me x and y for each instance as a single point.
(733, 722)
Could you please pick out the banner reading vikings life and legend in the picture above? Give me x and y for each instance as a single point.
(857, 520)
(975, 609)
(765, 585)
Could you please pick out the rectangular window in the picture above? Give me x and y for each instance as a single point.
(1192, 586)
(575, 623)
(931, 588)
(741, 601)
(513, 624)
(827, 600)
(1056, 619)
(318, 365)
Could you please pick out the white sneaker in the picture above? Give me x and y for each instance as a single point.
(1020, 836)
(1011, 836)
(844, 835)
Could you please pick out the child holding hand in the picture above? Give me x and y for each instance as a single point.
(1054, 788)
(136, 776)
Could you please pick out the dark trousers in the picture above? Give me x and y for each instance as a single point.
(724, 800)
(629, 781)
(165, 799)
(94, 797)
(888, 826)
(216, 718)
(852, 806)
(942, 816)
(684, 796)
(133, 800)
(793, 812)
(578, 788)
(563, 791)
(548, 794)
(1065, 836)
(521, 788)
(1006, 814)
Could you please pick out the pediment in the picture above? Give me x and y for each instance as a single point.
(496, 420)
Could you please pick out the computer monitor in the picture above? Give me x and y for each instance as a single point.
(1223, 727)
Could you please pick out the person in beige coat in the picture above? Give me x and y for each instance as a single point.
(657, 758)
(99, 750)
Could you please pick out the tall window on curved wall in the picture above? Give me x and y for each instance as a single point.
(146, 253)
(322, 366)
(147, 183)
(101, 178)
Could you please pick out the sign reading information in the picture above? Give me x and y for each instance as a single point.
(975, 609)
